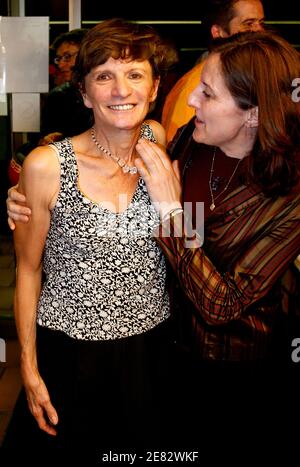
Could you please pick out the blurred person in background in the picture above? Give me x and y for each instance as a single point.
(63, 53)
(63, 112)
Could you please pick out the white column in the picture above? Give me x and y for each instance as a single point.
(17, 8)
(22, 7)
(74, 14)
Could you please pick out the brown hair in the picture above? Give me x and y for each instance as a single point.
(74, 36)
(219, 12)
(124, 40)
(259, 69)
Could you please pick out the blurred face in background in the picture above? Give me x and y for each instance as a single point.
(65, 59)
(249, 16)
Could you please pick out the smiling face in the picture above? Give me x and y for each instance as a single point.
(219, 121)
(120, 91)
(248, 16)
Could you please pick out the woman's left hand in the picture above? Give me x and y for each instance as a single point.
(161, 176)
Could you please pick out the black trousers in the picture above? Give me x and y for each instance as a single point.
(108, 395)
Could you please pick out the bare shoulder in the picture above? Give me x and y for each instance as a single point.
(40, 177)
(158, 131)
(42, 162)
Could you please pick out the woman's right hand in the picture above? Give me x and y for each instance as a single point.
(16, 208)
(39, 402)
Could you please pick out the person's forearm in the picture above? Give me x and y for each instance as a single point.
(26, 298)
(222, 296)
(215, 296)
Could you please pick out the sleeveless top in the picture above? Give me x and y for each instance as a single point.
(105, 276)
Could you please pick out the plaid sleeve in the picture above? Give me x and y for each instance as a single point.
(221, 298)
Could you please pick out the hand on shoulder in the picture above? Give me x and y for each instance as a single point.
(38, 162)
(16, 208)
(158, 131)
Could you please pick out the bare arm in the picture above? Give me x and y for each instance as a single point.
(39, 182)
(17, 210)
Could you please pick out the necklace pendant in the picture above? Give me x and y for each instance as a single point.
(121, 162)
(212, 206)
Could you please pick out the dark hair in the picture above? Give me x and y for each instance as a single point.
(219, 12)
(259, 69)
(121, 39)
(74, 36)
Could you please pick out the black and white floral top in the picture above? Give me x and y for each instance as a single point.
(105, 276)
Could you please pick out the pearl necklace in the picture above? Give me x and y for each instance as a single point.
(213, 199)
(125, 167)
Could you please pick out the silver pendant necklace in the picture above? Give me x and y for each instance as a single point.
(124, 166)
(214, 198)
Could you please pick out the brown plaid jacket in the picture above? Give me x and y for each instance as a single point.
(236, 285)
